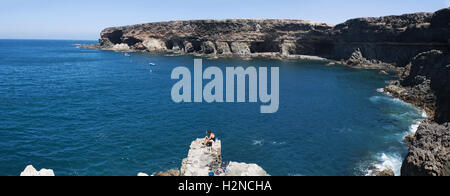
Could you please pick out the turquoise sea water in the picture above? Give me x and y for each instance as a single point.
(91, 112)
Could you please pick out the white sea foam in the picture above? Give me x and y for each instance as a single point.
(378, 99)
(424, 114)
(413, 128)
(387, 161)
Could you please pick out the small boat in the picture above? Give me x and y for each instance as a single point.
(152, 64)
(126, 54)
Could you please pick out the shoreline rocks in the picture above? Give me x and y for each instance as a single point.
(429, 153)
(31, 171)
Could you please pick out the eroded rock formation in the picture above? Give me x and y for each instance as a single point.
(389, 40)
(202, 160)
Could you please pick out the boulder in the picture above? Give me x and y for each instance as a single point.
(172, 172)
(386, 172)
(31, 171)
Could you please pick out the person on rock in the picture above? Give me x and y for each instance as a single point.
(209, 139)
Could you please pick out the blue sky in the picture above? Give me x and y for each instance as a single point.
(84, 19)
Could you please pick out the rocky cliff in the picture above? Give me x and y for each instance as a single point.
(394, 40)
(240, 37)
(429, 153)
(426, 83)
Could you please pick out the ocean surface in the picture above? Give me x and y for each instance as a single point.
(92, 112)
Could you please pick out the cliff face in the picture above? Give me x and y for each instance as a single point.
(391, 39)
(429, 153)
(223, 37)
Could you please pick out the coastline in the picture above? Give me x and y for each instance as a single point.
(415, 47)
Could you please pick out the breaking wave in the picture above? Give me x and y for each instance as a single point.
(387, 161)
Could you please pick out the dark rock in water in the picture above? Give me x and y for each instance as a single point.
(382, 72)
(429, 153)
(386, 172)
(376, 171)
(172, 172)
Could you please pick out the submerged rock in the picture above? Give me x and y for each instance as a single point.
(31, 171)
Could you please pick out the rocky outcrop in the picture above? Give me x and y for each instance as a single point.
(429, 153)
(426, 84)
(243, 169)
(202, 160)
(382, 41)
(428, 76)
(386, 172)
(31, 171)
